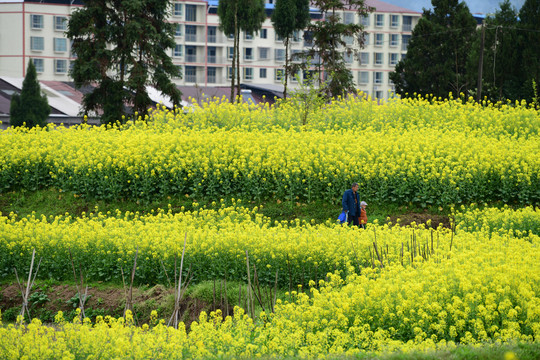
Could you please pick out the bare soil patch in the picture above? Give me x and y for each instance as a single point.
(103, 300)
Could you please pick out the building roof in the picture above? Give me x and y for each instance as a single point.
(382, 6)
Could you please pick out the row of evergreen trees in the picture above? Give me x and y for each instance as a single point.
(449, 53)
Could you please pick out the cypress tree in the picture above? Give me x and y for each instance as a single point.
(30, 108)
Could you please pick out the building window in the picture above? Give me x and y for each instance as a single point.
(279, 54)
(178, 9)
(248, 36)
(394, 21)
(378, 58)
(365, 20)
(364, 58)
(296, 37)
(363, 77)
(278, 74)
(191, 12)
(348, 18)
(394, 58)
(230, 72)
(378, 77)
(407, 23)
(263, 34)
(60, 23)
(60, 44)
(278, 37)
(178, 50)
(394, 40)
(348, 57)
(348, 39)
(366, 39)
(178, 30)
(379, 95)
(211, 75)
(211, 55)
(308, 38)
(212, 34)
(379, 39)
(230, 53)
(264, 53)
(248, 73)
(296, 55)
(191, 74)
(248, 53)
(60, 66)
(262, 73)
(405, 42)
(38, 64)
(379, 20)
(36, 21)
(37, 43)
(191, 33)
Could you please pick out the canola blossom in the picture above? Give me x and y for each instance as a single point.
(485, 290)
(216, 245)
(506, 221)
(419, 151)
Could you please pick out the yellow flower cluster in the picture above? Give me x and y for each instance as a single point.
(484, 289)
(504, 221)
(217, 241)
(403, 151)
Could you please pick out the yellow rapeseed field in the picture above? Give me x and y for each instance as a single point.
(382, 289)
(443, 153)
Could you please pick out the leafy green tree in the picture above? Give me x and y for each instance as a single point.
(236, 16)
(30, 108)
(501, 58)
(121, 46)
(289, 16)
(329, 43)
(438, 52)
(529, 25)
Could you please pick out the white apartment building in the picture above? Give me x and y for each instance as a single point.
(35, 30)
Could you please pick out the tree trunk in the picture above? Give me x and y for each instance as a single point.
(286, 66)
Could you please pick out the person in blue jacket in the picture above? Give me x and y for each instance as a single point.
(351, 204)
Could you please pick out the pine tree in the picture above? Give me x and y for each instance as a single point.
(438, 52)
(30, 108)
(529, 23)
(121, 46)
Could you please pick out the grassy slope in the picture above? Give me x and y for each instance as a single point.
(53, 202)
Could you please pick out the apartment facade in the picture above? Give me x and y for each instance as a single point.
(35, 31)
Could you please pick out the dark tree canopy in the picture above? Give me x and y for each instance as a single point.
(501, 72)
(529, 21)
(30, 108)
(121, 47)
(438, 52)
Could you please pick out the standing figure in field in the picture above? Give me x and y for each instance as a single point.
(351, 204)
(363, 214)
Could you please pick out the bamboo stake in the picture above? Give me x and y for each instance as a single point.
(250, 295)
(175, 316)
(377, 252)
(165, 271)
(401, 255)
(226, 298)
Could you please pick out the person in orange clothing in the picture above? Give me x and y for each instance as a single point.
(363, 215)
